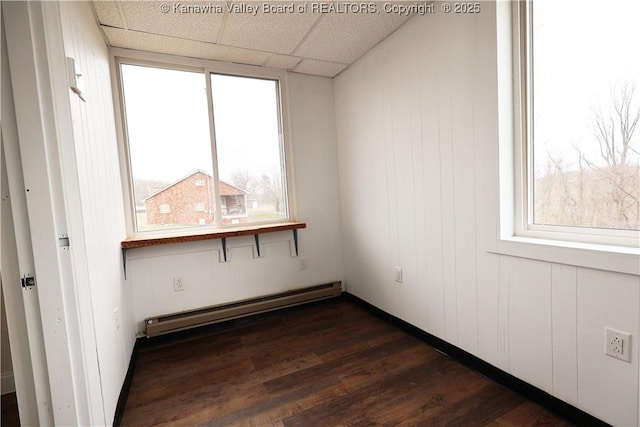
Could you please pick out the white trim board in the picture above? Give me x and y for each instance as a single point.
(7, 383)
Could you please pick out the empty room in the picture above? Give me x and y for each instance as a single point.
(297, 213)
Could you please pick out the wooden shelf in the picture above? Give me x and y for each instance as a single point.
(223, 234)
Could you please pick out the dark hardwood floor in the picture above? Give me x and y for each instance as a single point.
(10, 416)
(328, 364)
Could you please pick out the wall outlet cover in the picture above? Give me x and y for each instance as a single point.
(397, 274)
(617, 344)
(178, 284)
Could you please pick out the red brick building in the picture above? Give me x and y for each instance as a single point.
(190, 201)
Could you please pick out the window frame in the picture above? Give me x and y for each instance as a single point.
(523, 69)
(205, 68)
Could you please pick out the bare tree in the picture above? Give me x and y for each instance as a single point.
(604, 190)
(614, 131)
(243, 179)
(623, 119)
(560, 192)
(272, 190)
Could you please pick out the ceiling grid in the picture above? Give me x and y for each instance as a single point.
(292, 36)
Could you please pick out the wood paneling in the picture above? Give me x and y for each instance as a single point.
(92, 160)
(208, 281)
(446, 203)
(530, 339)
(609, 387)
(564, 323)
(330, 363)
(492, 317)
(464, 193)
(431, 187)
(418, 142)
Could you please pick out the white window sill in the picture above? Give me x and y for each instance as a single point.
(600, 257)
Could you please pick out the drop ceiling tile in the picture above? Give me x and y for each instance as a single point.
(282, 62)
(108, 13)
(173, 46)
(278, 31)
(319, 68)
(192, 20)
(344, 37)
(307, 42)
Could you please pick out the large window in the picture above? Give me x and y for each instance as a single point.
(579, 71)
(204, 149)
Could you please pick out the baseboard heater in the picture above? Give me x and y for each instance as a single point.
(218, 313)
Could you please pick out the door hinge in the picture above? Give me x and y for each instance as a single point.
(63, 240)
(28, 281)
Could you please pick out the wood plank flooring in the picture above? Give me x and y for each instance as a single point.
(328, 364)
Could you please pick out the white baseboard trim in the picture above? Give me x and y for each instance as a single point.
(8, 384)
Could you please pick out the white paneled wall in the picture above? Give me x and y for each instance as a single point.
(530, 346)
(608, 387)
(565, 338)
(417, 129)
(101, 204)
(207, 280)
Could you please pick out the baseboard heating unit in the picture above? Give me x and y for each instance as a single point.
(218, 313)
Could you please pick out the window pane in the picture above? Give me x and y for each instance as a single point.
(169, 147)
(586, 105)
(249, 149)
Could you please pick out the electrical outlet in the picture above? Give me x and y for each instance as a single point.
(397, 274)
(178, 284)
(617, 344)
(302, 262)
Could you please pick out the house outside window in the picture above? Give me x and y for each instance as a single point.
(203, 143)
(188, 207)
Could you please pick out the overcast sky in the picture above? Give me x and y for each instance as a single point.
(583, 50)
(168, 124)
(578, 61)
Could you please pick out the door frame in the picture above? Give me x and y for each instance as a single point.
(37, 64)
(21, 304)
